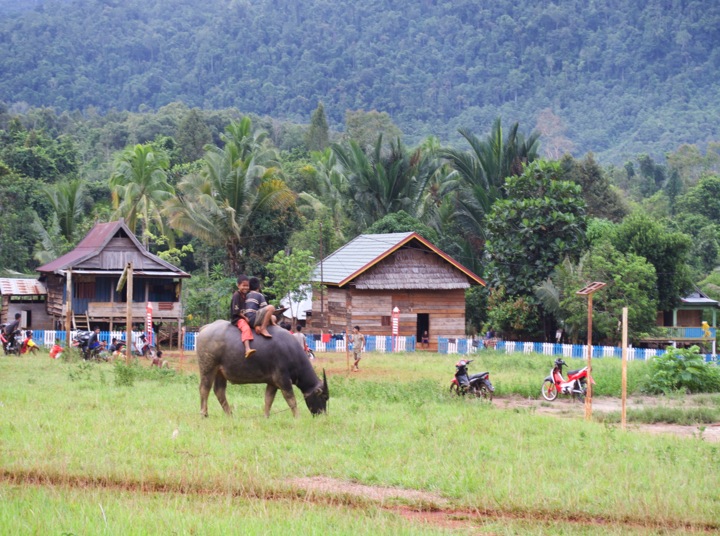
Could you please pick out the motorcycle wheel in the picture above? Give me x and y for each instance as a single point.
(481, 391)
(549, 391)
(455, 389)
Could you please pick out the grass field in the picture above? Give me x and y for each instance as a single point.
(81, 454)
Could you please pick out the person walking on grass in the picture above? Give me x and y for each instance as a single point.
(358, 340)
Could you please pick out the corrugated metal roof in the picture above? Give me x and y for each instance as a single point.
(697, 297)
(22, 287)
(366, 250)
(94, 243)
(356, 254)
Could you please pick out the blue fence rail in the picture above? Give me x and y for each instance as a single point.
(335, 344)
(377, 343)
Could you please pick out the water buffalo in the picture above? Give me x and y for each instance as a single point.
(279, 362)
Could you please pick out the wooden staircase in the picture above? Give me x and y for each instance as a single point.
(81, 322)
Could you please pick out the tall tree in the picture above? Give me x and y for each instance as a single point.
(318, 134)
(631, 282)
(529, 233)
(703, 199)
(666, 250)
(291, 276)
(192, 136)
(140, 188)
(365, 128)
(66, 199)
(481, 173)
(217, 204)
(379, 184)
(601, 199)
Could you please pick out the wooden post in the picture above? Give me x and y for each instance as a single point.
(588, 291)
(348, 327)
(588, 397)
(623, 422)
(68, 309)
(128, 314)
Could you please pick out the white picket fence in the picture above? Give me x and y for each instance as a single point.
(577, 351)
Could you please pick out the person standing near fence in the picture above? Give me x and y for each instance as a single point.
(358, 342)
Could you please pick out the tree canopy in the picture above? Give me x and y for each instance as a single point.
(622, 77)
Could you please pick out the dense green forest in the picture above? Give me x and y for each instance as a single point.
(543, 147)
(219, 193)
(616, 78)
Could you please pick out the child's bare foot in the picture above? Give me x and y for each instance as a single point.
(263, 332)
(249, 352)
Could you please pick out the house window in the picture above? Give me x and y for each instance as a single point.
(385, 321)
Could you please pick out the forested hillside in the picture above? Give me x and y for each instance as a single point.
(623, 78)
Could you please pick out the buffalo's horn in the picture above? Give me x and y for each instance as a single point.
(326, 391)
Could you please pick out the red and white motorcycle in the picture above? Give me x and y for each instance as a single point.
(575, 384)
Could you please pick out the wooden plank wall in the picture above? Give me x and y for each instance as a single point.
(55, 289)
(446, 310)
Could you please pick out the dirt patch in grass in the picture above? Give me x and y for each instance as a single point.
(379, 494)
(415, 506)
(568, 408)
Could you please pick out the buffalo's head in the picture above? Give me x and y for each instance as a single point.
(317, 400)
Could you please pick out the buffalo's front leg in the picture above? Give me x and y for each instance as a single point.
(290, 399)
(270, 392)
(206, 382)
(220, 386)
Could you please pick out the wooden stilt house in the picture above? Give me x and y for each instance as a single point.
(367, 278)
(95, 267)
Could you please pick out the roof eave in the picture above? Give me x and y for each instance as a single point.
(393, 249)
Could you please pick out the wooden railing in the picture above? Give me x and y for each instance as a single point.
(170, 310)
(680, 333)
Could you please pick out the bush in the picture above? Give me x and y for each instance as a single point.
(681, 370)
(125, 374)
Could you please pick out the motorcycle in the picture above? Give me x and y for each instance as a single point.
(575, 385)
(476, 385)
(11, 343)
(82, 341)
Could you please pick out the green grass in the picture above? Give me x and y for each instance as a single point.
(392, 424)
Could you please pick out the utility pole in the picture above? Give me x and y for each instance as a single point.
(322, 298)
(68, 309)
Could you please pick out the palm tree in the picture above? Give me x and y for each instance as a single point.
(330, 187)
(481, 173)
(66, 200)
(140, 187)
(217, 204)
(380, 185)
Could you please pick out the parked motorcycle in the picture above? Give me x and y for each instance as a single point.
(82, 342)
(575, 384)
(11, 343)
(476, 385)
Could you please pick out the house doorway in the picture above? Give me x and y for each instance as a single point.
(423, 325)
